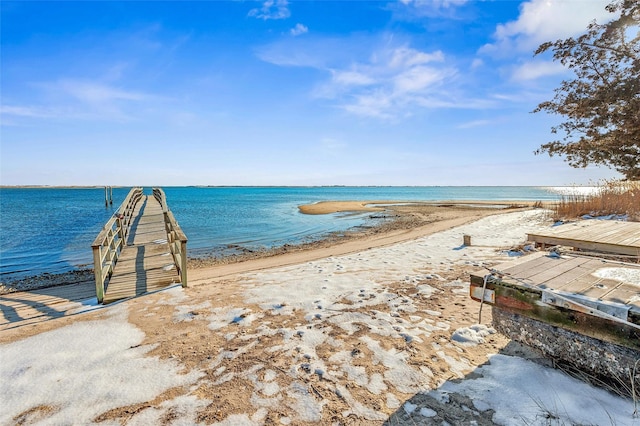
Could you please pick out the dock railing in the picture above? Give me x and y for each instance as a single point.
(109, 242)
(175, 237)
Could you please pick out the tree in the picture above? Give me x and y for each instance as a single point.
(601, 106)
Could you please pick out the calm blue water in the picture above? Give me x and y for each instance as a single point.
(51, 229)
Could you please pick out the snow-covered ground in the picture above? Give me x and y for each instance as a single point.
(311, 315)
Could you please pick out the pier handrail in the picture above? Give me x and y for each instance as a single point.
(109, 242)
(175, 237)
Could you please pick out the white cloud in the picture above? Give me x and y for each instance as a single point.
(352, 78)
(95, 93)
(383, 78)
(475, 123)
(24, 111)
(546, 20)
(416, 79)
(434, 3)
(428, 8)
(272, 9)
(477, 63)
(407, 57)
(70, 99)
(535, 69)
(299, 29)
(394, 81)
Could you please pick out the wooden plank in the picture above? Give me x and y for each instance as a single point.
(537, 264)
(561, 272)
(605, 236)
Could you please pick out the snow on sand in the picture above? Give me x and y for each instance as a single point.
(385, 334)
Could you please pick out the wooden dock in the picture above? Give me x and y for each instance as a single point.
(145, 262)
(139, 250)
(606, 236)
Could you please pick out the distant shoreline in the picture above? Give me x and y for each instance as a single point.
(59, 187)
(35, 186)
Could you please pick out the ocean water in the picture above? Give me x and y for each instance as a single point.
(51, 229)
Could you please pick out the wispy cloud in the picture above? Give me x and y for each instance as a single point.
(388, 80)
(79, 99)
(545, 20)
(25, 111)
(474, 123)
(532, 70)
(299, 29)
(411, 9)
(272, 9)
(96, 93)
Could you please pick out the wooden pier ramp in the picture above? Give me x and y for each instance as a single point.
(141, 249)
(145, 262)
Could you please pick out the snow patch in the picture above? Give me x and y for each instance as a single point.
(83, 370)
(626, 275)
(472, 336)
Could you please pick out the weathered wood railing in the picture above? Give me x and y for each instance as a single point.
(109, 242)
(175, 237)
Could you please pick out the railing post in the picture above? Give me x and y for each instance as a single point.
(97, 271)
(120, 226)
(183, 263)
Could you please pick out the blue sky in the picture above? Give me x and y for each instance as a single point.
(433, 92)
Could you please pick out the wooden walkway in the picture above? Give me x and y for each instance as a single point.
(153, 257)
(608, 236)
(145, 263)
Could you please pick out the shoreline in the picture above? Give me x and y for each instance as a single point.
(398, 221)
(329, 207)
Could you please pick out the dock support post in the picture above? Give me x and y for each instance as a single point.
(108, 196)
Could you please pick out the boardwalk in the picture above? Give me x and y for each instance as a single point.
(608, 236)
(145, 263)
(140, 249)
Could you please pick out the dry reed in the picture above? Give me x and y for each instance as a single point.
(610, 198)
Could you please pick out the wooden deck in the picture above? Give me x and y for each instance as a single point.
(598, 282)
(145, 263)
(608, 236)
(582, 312)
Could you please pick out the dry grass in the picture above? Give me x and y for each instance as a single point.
(620, 198)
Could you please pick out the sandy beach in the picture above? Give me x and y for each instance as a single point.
(374, 327)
